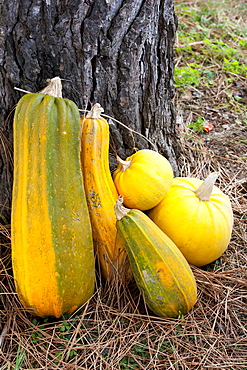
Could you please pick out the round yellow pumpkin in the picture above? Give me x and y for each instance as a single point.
(143, 179)
(198, 217)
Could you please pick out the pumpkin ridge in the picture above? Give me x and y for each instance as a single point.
(216, 206)
(174, 276)
(216, 203)
(137, 265)
(71, 211)
(98, 185)
(22, 185)
(37, 199)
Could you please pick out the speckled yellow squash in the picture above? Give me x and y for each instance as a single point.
(161, 272)
(198, 217)
(143, 179)
(52, 247)
(101, 195)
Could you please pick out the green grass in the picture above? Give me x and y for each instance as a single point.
(209, 45)
(20, 357)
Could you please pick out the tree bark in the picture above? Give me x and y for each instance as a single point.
(118, 53)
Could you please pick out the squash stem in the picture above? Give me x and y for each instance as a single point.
(54, 88)
(125, 164)
(120, 210)
(205, 189)
(95, 111)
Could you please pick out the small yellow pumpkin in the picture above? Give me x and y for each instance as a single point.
(198, 217)
(143, 179)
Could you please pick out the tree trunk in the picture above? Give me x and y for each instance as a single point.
(118, 53)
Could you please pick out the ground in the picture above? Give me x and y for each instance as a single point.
(211, 79)
(227, 141)
(115, 330)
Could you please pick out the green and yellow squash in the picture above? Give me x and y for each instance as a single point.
(52, 247)
(161, 272)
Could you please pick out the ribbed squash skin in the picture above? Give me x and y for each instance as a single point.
(146, 181)
(160, 270)
(52, 248)
(200, 229)
(101, 196)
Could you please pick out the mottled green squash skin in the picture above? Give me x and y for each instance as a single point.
(160, 270)
(52, 248)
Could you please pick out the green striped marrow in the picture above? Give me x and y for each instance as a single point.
(52, 248)
(161, 272)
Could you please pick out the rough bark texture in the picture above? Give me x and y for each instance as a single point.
(118, 53)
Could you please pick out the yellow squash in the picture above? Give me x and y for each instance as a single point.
(198, 217)
(143, 179)
(101, 196)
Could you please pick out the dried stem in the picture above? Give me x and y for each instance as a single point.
(119, 209)
(205, 189)
(95, 112)
(54, 88)
(124, 164)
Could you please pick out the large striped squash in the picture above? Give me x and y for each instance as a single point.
(52, 250)
(160, 270)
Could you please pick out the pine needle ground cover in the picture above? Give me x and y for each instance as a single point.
(115, 330)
